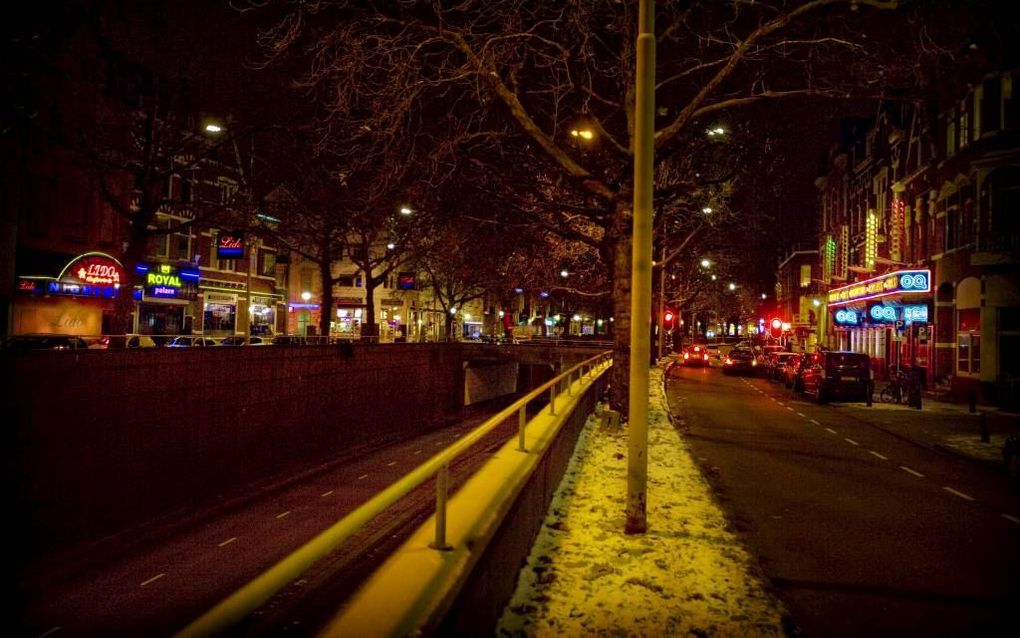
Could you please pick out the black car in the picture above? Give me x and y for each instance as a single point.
(24, 343)
(837, 375)
(696, 356)
(740, 361)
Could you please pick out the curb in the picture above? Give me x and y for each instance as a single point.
(994, 465)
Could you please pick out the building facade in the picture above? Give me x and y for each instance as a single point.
(919, 242)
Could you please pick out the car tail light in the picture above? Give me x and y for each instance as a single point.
(705, 357)
(729, 361)
(687, 355)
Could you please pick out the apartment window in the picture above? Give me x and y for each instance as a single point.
(950, 136)
(991, 105)
(964, 122)
(268, 262)
(805, 275)
(306, 280)
(346, 281)
(227, 190)
(187, 194)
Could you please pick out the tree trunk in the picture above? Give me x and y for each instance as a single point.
(125, 306)
(369, 327)
(326, 309)
(618, 253)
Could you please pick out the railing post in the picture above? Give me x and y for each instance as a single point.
(521, 420)
(570, 378)
(442, 487)
(552, 399)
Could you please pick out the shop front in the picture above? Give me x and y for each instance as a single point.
(219, 313)
(75, 297)
(165, 299)
(889, 318)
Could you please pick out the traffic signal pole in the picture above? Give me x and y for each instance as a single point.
(641, 273)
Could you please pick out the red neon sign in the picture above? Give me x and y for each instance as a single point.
(94, 269)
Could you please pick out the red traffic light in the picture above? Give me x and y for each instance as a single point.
(776, 327)
(668, 316)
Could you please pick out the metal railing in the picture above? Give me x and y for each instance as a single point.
(246, 600)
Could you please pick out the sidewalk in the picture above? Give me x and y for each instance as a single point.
(687, 575)
(950, 427)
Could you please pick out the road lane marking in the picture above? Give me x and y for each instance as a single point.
(417, 451)
(1005, 516)
(830, 430)
(815, 422)
(363, 477)
(283, 514)
(50, 632)
(325, 494)
(801, 415)
(153, 579)
(780, 403)
(790, 409)
(955, 493)
(851, 441)
(910, 471)
(874, 453)
(391, 464)
(228, 541)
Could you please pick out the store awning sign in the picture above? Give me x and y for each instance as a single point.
(91, 274)
(164, 281)
(899, 282)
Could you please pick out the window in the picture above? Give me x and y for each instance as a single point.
(964, 122)
(968, 354)
(306, 280)
(345, 281)
(991, 105)
(805, 275)
(268, 262)
(951, 134)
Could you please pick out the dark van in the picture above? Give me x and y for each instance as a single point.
(838, 375)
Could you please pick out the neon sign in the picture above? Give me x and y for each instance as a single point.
(912, 313)
(94, 269)
(168, 282)
(847, 317)
(901, 281)
(230, 245)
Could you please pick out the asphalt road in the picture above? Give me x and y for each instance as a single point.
(861, 532)
(154, 580)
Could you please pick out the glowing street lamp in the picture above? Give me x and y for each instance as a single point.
(705, 263)
(584, 134)
(707, 210)
(564, 273)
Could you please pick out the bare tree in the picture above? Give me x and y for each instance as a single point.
(556, 82)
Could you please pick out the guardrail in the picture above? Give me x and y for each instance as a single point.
(246, 600)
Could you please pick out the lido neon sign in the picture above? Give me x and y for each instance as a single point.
(899, 282)
(91, 274)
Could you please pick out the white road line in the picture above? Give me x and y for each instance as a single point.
(1005, 516)
(153, 579)
(325, 494)
(801, 415)
(283, 514)
(910, 471)
(874, 453)
(391, 464)
(51, 631)
(417, 451)
(830, 430)
(955, 493)
(228, 541)
(790, 409)
(780, 403)
(815, 422)
(363, 477)
(851, 441)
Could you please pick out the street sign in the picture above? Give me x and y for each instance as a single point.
(922, 334)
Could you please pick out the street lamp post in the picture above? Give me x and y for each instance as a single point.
(641, 276)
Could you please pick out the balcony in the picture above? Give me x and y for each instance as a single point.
(1000, 249)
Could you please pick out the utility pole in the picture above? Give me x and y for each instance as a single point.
(641, 273)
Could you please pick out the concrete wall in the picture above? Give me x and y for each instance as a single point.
(489, 380)
(97, 440)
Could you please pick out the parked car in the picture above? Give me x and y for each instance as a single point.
(126, 341)
(695, 355)
(740, 361)
(837, 375)
(714, 352)
(24, 343)
(190, 341)
(238, 340)
(791, 371)
(289, 340)
(774, 363)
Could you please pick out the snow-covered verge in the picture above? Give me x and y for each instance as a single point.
(688, 575)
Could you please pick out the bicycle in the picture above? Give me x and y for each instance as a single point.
(896, 391)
